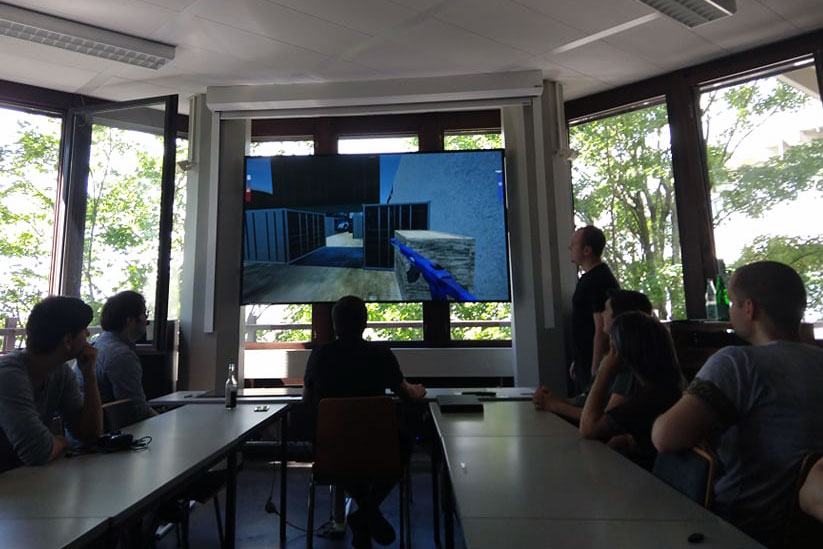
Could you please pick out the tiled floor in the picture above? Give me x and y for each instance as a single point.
(258, 529)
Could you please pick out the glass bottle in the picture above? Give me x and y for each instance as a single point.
(231, 387)
(722, 298)
(711, 300)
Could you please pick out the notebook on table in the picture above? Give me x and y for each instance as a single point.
(460, 404)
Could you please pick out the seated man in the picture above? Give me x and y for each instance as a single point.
(763, 401)
(119, 372)
(617, 303)
(353, 367)
(36, 383)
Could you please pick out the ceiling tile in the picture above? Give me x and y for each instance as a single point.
(510, 23)
(40, 72)
(664, 43)
(465, 51)
(752, 25)
(366, 16)
(801, 13)
(590, 16)
(603, 61)
(280, 23)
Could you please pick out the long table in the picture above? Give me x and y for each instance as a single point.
(91, 495)
(525, 478)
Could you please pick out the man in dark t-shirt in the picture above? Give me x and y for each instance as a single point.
(353, 367)
(589, 341)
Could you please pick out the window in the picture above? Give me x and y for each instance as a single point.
(469, 321)
(29, 151)
(360, 145)
(764, 149)
(622, 182)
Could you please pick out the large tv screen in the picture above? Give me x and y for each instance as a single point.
(384, 227)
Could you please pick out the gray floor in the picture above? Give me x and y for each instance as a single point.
(258, 529)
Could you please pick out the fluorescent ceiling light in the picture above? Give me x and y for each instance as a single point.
(79, 37)
(694, 12)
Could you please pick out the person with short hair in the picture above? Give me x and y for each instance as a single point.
(119, 371)
(589, 341)
(759, 404)
(36, 383)
(617, 303)
(353, 367)
(642, 346)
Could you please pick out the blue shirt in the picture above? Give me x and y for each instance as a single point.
(119, 372)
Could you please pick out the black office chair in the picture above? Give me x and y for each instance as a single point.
(358, 439)
(691, 472)
(803, 531)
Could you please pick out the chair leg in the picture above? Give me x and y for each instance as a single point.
(184, 524)
(402, 489)
(219, 518)
(310, 520)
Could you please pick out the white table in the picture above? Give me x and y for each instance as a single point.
(51, 532)
(540, 484)
(121, 486)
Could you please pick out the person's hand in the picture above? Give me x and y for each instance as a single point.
(417, 390)
(87, 359)
(543, 398)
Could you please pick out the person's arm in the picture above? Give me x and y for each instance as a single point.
(411, 391)
(684, 425)
(125, 373)
(87, 424)
(600, 346)
(20, 421)
(811, 493)
(594, 423)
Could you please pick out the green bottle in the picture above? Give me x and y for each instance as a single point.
(722, 299)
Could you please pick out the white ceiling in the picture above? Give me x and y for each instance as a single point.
(231, 42)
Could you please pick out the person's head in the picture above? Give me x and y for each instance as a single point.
(349, 317)
(767, 292)
(125, 313)
(587, 245)
(58, 322)
(623, 301)
(646, 347)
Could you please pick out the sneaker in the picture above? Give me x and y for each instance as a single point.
(360, 535)
(332, 530)
(381, 530)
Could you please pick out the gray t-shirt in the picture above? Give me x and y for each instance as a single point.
(769, 399)
(119, 372)
(25, 411)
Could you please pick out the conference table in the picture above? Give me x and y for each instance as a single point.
(522, 478)
(94, 497)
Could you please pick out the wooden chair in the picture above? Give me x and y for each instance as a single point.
(118, 414)
(690, 472)
(358, 439)
(802, 530)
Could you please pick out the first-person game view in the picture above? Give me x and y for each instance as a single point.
(384, 227)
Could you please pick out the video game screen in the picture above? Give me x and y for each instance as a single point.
(384, 227)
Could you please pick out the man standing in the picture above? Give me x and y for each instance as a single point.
(353, 367)
(763, 401)
(119, 372)
(36, 383)
(589, 341)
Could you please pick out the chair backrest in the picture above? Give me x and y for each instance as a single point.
(118, 414)
(690, 472)
(357, 438)
(802, 530)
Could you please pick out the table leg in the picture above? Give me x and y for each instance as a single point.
(448, 511)
(231, 500)
(436, 460)
(284, 460)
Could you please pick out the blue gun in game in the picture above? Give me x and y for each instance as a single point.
(441, 283)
